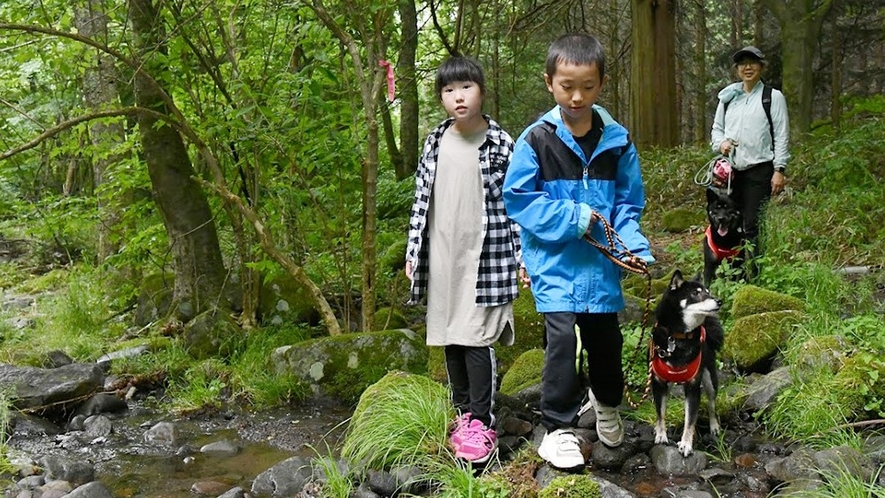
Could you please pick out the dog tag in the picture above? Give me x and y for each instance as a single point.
(671, 345)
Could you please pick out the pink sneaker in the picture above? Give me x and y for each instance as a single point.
(479, 443)
(456, 435)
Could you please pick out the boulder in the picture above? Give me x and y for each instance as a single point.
(38, 387)
(755, 339)
(341, 367)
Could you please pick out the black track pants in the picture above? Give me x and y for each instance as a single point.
(562, 392)
(472, 373)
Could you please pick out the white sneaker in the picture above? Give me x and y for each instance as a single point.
(609, 426)
(560, 449)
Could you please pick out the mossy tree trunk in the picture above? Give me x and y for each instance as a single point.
(198, 265)
(800, 22)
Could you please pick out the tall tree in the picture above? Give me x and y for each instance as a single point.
(700, 57)
(800, 22)
(370, 78)
(199, 268)
(408, 93)
(653, 99)
(99, 93)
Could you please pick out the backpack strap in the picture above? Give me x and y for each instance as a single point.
(766, 105)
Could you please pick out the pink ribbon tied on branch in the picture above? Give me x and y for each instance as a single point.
(390, 78)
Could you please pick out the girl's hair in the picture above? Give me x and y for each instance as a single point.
(576, 48)
(460, 68)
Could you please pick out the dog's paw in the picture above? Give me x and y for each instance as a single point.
(715, 428)
(685, 448)
(661, 436)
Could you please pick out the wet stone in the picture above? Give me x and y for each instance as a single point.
(221, 448)
(209, 488)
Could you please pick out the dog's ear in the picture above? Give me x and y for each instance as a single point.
(697, 277)
(712, 196)
(677, 280)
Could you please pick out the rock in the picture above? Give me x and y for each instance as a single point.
(670, 462)
(91, 490)
(75, 471)
(42, 387)
(284, 479)
(163, 432)
(97, 426)
(102, 403)
(751, 300)
(342, 367)
(762, 392)
(221, 448)
(525, 372)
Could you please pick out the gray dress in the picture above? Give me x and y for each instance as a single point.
(455, 237)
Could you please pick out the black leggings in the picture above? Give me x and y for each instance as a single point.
(472, 377)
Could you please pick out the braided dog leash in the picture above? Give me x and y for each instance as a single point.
(617, 252)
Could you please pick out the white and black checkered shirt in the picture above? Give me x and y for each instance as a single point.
(501, 251)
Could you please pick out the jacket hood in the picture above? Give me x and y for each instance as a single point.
(728, 93)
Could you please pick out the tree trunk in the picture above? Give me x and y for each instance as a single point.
(198, 265)
(653, 93)
(701, 129)
(800, 22)
(836, 93)
(408, 93)
(100, 92)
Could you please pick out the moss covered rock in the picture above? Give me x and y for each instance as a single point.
(525, 372)
(681, 219)
(436, 364)
(571, 486)
(341, 367)
(754, 340)
(154, 298)
(282, 300)
(750, 300)
(861, 384)
(212, 333)
(823, 352)
(388, 318)
(529, 326)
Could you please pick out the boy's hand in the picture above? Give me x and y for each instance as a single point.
(524, 278)
(634, 261)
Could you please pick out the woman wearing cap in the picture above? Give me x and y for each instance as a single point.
(756, 139)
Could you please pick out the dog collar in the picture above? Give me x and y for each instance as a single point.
(719, 252)
(687, 373)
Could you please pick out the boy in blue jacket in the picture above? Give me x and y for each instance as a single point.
(569, 169)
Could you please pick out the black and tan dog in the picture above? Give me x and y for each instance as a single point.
(685, 339)
(724, 238)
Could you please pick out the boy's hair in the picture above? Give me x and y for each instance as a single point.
(576, 48)
(460, 68)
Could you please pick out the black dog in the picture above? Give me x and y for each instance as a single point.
(724, 238)
(684, 344)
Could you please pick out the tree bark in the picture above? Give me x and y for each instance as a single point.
(653, 92)
(100, 92)
(408, 91)
(701, 129)
(800, 22)
(198, 265)
(836, 82)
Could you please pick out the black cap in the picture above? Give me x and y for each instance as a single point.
(748, 51)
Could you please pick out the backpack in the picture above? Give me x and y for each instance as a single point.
(766, 104)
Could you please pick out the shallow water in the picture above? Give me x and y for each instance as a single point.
(130, 467)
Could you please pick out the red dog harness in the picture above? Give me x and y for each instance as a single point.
(668, 373)
(719, 252)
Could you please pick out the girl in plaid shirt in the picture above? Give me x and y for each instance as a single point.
(463, 251)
